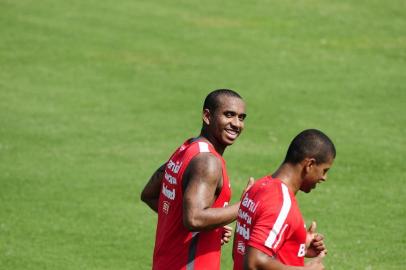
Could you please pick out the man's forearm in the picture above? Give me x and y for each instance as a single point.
(152, 203)
(151, 191)
(210, 218)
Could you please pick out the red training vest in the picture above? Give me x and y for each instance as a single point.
(177, 248)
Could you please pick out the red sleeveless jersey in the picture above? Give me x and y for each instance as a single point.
(269, 220)
(177, 248)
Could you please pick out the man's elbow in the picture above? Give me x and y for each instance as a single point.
(192, 224)
(144, 197)
(250, 267)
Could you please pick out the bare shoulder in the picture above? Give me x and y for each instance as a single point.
(205, 166)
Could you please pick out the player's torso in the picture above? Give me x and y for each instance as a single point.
(253, 202)
(245, 219)
(175, 245)
(294, 248)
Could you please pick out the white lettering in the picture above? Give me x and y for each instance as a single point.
(302, 250)
(174, 167)
(244, 216)
(243, 231)
(170, 194)
(170, 178)
(248, 203)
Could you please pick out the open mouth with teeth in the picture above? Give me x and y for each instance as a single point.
(232, 133)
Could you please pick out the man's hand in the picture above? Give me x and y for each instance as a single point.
(226, 236)
(251, 181)
(314, 242)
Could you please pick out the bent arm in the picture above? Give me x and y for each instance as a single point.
(150, 193)
(255, 259)
(203, 176)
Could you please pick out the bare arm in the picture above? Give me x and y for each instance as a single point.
(150, 193)
(203, 176)
(257, 260)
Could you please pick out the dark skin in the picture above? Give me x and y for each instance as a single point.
(256, 259)
(203, 176)
(302, 176)
(150, 193)
(223, 126)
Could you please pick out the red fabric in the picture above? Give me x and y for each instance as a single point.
(174, 244)
(269, 220)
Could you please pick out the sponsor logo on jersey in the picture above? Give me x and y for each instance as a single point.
(165, 207)
(174, 167)
(243, 230)
(248, 203)
(241, 247)
(244, 216)
(170, 178)
(168, 193)
(302, 250)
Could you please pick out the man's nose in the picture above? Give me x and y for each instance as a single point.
(236, 122)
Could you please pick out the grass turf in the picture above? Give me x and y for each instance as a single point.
(95, 95)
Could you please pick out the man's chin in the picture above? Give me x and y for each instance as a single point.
(306, 189)
(229, 141)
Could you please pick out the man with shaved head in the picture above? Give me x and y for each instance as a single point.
(270, 232)
(191, 191)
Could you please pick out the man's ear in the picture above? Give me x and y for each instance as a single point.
(309, 164)
(206, 116)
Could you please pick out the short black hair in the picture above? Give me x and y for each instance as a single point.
(310, 143)
(212, 100)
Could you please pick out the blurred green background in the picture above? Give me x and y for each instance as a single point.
(95, 95)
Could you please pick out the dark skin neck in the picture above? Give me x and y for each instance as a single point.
(290, 174)
(210, 139)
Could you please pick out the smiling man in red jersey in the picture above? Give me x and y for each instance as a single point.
(270, 232)
(191, 191)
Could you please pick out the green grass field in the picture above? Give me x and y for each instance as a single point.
(95, 95)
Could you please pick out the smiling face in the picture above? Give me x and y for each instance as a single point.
(314, 173)
(225, 124)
